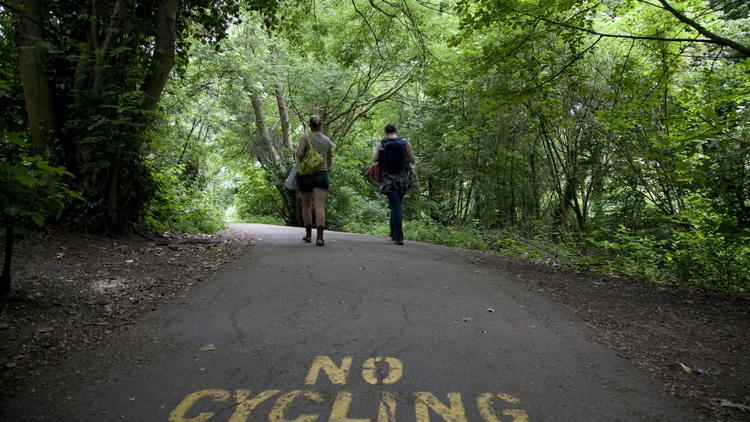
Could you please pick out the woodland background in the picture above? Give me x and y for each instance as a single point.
(611, 135)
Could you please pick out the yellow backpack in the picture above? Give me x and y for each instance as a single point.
(312, 161)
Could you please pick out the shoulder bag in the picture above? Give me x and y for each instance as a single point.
(312, 161)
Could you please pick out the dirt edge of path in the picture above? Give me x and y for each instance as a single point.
(70, 291)
(695, 342)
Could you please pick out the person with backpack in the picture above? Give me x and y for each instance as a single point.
(314, 186)
(394, 154)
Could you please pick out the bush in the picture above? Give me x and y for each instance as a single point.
(180, 208)
(706, 256)
(256, 197)
(709, 259)
(639, 257)
(699, 256)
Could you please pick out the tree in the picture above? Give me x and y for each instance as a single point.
(273, 80)
(109, 62)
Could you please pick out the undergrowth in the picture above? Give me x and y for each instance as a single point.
(694, 258)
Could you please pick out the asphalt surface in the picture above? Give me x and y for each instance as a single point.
(359, 330)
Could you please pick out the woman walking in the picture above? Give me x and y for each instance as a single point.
(314, 187)
(394, 155)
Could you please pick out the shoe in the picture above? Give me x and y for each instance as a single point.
(308, 234)
(398, 242)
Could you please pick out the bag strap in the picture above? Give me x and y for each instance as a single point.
(310, 142)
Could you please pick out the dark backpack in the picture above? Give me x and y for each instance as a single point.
(394, 155)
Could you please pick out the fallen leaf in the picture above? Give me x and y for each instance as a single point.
(208, 348)
(701, 371)
(10, 365)
(59, 255)
(45, 330)
(685, 368)
(490, 310)
(727, 403)
(468, 319)
(129, 261)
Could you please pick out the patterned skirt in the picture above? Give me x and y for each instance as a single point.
(403, 182)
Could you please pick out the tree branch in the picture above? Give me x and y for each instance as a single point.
(101, 50)
(372, 102)
(372, 3)
(374, 35)
(715, 38)
(570, 63)
(605, 35)
(20, 11)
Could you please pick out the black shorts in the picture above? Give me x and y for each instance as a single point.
(309, 182)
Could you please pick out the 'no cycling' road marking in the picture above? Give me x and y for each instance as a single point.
(375, 371)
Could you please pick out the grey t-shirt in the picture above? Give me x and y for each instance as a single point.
(321, 143)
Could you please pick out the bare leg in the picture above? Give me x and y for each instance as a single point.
(307, 208)
(307, 214)
(319, 196)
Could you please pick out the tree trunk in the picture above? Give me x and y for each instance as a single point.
(286, 127)
(270, 152)
(163, 58)
(535, 188)
(5, 278)
(40, 102)
(101, 49)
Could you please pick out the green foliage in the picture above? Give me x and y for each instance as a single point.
(639, 257)
(105, 68)
(180, 207)
(262, 219)
(534, 136)
(257, 197)
(32, 191)
(469, 237)
(705, 253)
(700, 257)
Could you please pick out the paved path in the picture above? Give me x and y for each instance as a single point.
(358, 331)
